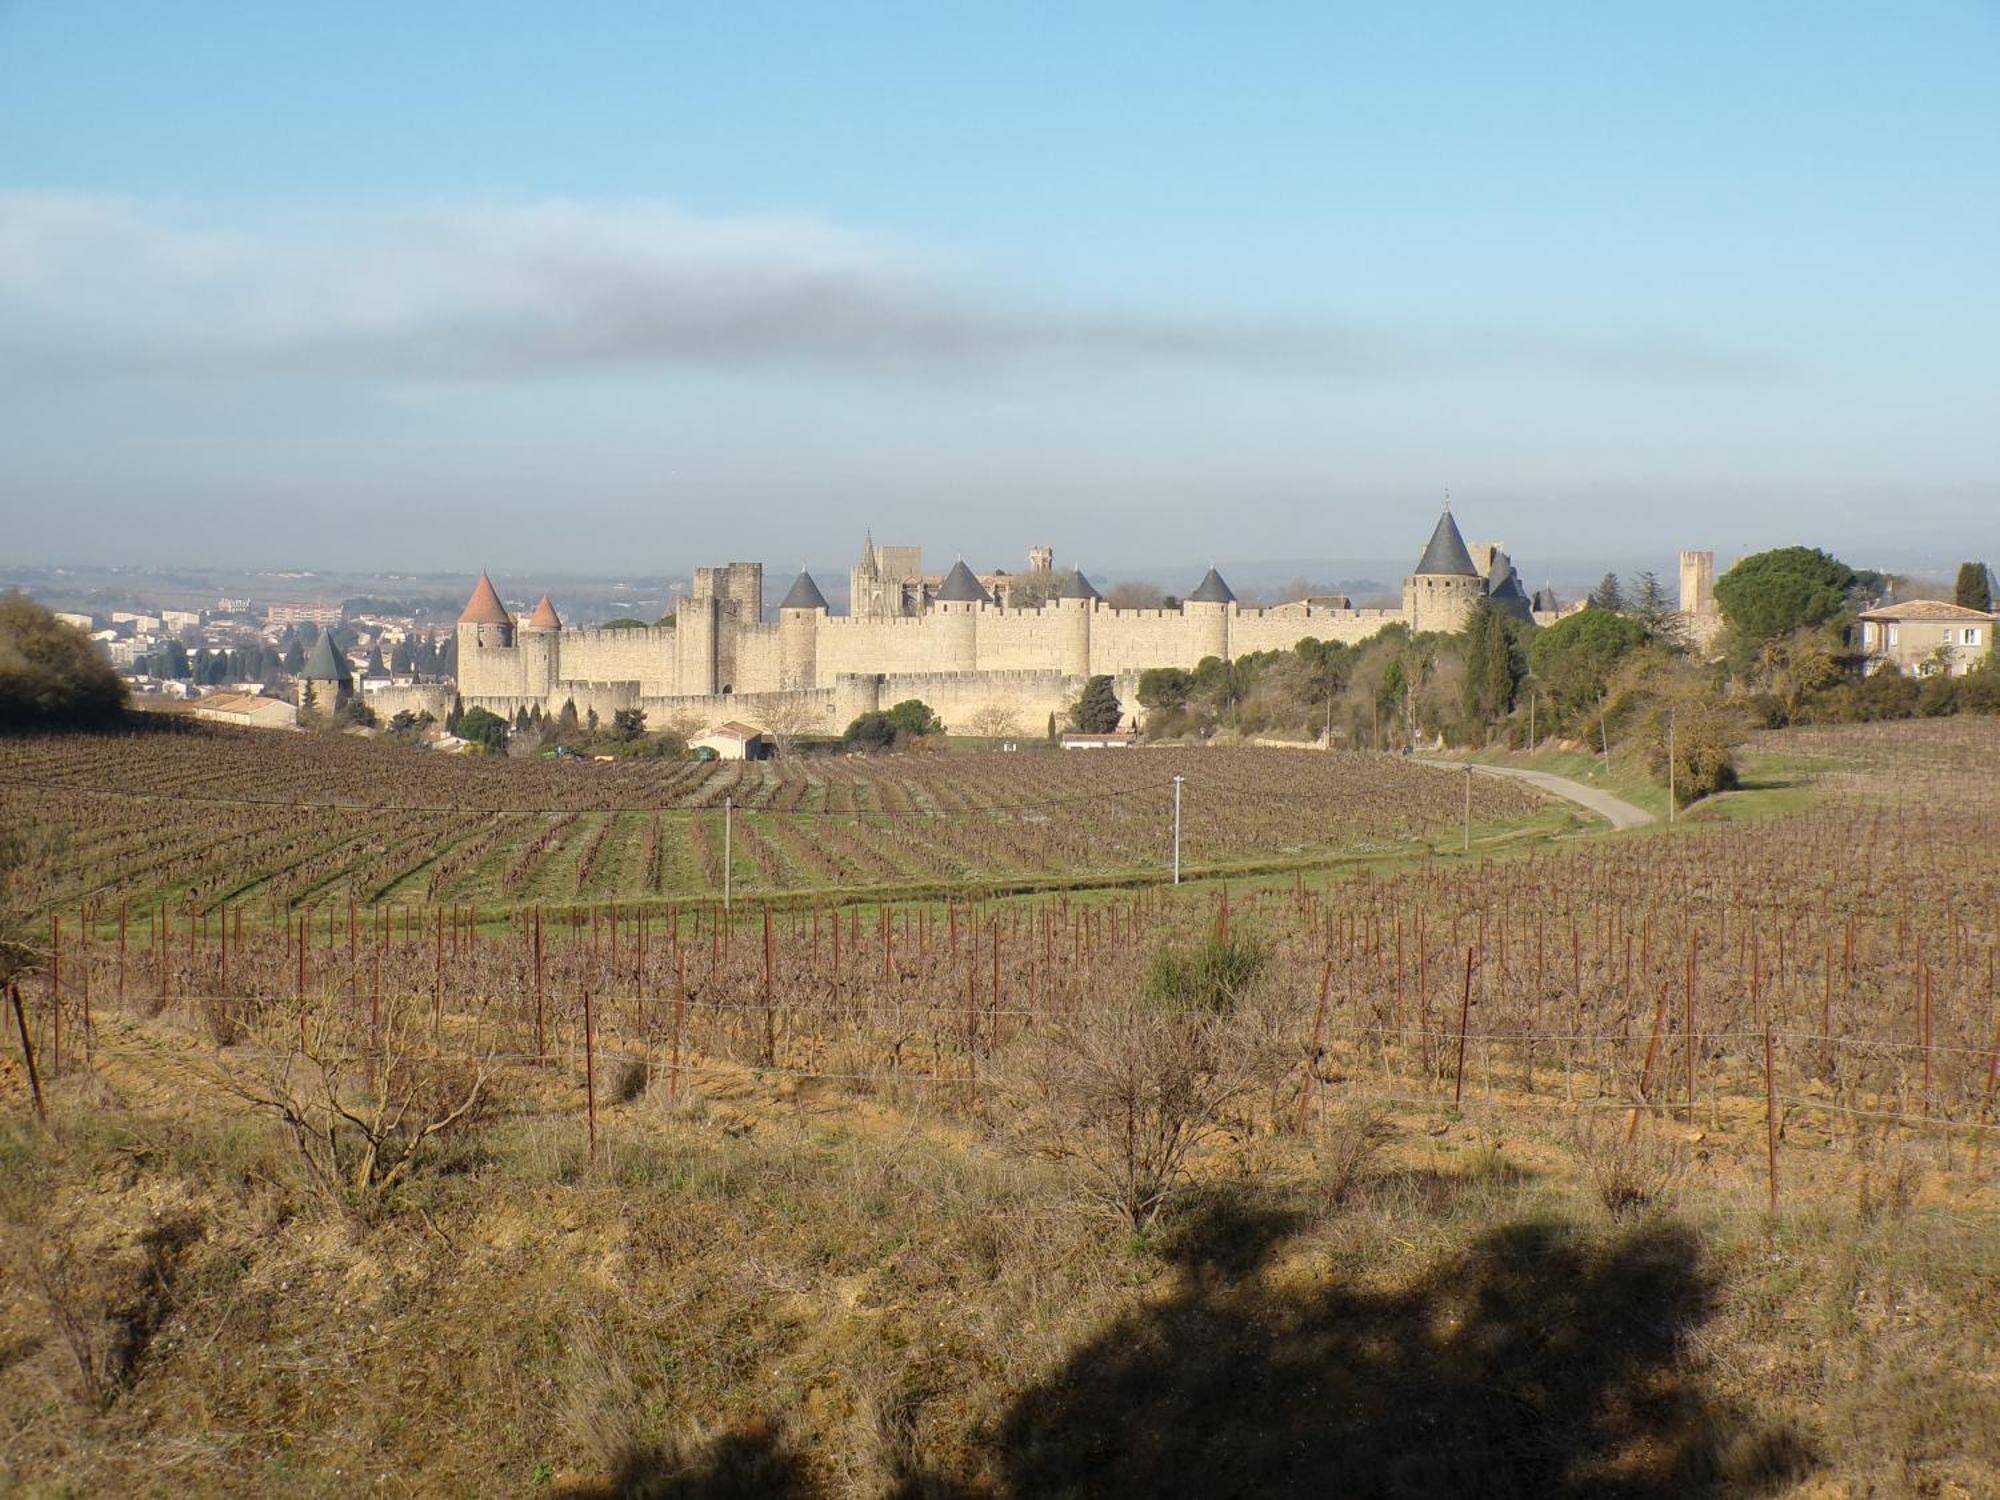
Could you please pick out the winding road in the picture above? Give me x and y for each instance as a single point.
(1615, 810)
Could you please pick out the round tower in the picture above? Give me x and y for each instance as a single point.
(1207, 611)
(1445, 588)
(1075, 606)
(539, 640)
(957, 607)
(799, 616)
(486, 664)
(326, 681)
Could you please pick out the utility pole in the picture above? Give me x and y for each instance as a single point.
(1178, 779)
(728, 869)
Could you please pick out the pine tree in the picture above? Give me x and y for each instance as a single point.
(1975, 589)
(1650, 603)
(1608, 595)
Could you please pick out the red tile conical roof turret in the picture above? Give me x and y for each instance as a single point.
(545, 616)
(484, 607)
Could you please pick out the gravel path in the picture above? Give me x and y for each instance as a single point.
(1616, 810)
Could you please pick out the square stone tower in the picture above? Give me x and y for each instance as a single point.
(1697, 584)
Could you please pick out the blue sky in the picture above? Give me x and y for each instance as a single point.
(575, 285)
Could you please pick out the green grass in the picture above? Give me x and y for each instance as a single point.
(1773, 785)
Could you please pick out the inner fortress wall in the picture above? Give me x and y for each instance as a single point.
(1283, 628)
(644, 657)
(1028, 640)
(866, 647)
(1127, 641)
(757, 665)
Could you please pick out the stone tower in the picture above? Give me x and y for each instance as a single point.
(486, 662)
(1697, 584)
(1208, 609)
(1075, 605)
(1445, 588)
(1041, 559)
(800, 613)
(958, 603)
(326, 681)
(539, 641)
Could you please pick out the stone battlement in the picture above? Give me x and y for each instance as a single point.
(945, 641)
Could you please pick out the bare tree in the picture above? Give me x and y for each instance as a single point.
(364, 1120)
(995, 721)
(1125, 1092)
(789, 722)
(1135, 595)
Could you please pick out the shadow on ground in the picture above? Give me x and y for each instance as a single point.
(1531, 1365)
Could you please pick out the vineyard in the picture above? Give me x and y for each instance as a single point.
(203, 821)
(1787, 1013)
(1863, 938)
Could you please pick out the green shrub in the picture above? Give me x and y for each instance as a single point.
(1212, 975)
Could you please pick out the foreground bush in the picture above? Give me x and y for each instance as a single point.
(1124, 1093)
(51, 677)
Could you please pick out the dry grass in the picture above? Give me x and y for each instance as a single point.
(758, 1297)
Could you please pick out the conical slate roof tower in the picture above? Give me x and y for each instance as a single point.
(1076, 586)
(1446, 555)
(324, 664)
(803, 594)
(960, 587)
(1212, 590)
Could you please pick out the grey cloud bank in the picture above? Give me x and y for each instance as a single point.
(104, 286)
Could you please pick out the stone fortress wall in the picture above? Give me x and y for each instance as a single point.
(956, 643)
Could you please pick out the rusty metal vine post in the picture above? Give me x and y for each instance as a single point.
(680, 1012)
(1986, 1105)
(27, 1051)
(1464, 1016)
(590, 1073)
(770, 998)
(1693, 941)
(1646, 1072)
(1770, 1118)
(541, 1050)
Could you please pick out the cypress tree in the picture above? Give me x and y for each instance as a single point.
(1975, 590)
(1492, 671)
(1098, 711)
